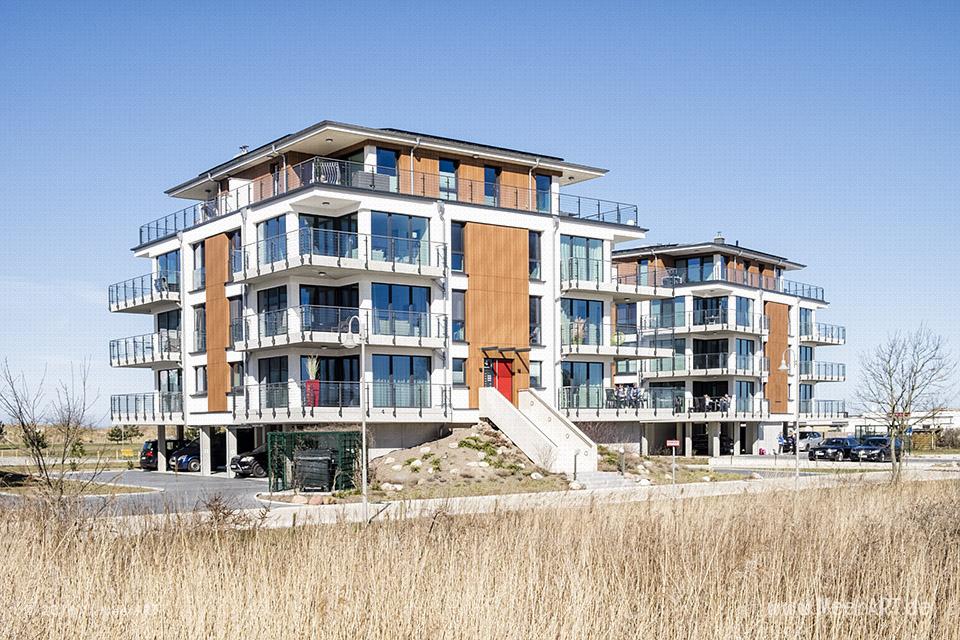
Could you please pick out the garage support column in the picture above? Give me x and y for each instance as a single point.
(161, 448)
(205, 461)
(736, 437)
(231, 449)
(180, 432)
(644, 439)
(713, 430)
(688, 439)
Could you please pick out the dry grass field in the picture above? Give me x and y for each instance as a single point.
(866, 562)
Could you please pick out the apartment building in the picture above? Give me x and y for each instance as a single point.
(738, 348)
(470, 275)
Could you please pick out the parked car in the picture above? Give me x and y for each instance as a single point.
(701, 444)
(807, 439)
(833, 449)
(252, 463)
(148, 453)
(875, 449)
(187, 458)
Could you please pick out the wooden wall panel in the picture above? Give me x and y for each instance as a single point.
(775, 390)
(515, 189)
(217, 250)
(498, 302)
(426, 166)
(470, 187)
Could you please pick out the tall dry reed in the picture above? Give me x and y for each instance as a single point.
(866, 562)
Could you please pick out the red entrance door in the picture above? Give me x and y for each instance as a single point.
(503, 378)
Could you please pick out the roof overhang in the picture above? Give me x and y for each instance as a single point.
(706, 248)
(329, 137)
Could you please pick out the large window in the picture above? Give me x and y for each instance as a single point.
(459, 320)
(325, 308)
(744, 391)
(387, 166)
(401, 381)
(533, 250)
(671, 354)
(322, 236)
(456, 246)
(459, 371)
(667, 313)
(581, 321)
(696, 269)
(274, 375)
(401, 310)
(710, 311)
(581, 258)
(536, 374)
(744, 312)
(200, 328)
(535, 320)
(399, 238)
(491, 186)
(330, 381)
(448, 179)
(806, 322)
(745, 354)
(711, 354)
(543, 193)
(199, 266)
(236, 377)
(582, 384)
(272, 240)
(168, 271)
(200, 375)
(272, 307)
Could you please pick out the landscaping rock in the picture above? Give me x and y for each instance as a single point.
(575, 486)
(389, 487)
(473, 463)
(424, 449)
(644, 482)
(481, 455)
(417, 463)
(397, 467)
(536, 476)
(298, 499)
(705, 478)
(454, 471)
(453, 445)
(483, 463)
(756, 476)
(318, 500)
(389, 460)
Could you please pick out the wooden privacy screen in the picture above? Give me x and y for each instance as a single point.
(776, 388)
(498, 302)
(216, 250)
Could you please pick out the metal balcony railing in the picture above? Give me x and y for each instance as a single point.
(822, 332)
(707, 320)
(135, 407)
(317, 397)
(330, 172)
(146, 288)
(297, 322)
(143, 349)
(627, 399)
(715, 273)
(823, 408)
(819, 370)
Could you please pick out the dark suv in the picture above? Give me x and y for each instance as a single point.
(252, 463)
(187, 458)
(148, 453)
(876, 449)
(836, 449)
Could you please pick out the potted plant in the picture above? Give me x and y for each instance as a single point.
(311, 386)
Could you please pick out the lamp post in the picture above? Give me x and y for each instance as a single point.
(795, 363)
(351, 340)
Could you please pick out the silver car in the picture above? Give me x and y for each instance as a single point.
(810, 439)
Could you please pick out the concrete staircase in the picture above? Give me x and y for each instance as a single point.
(604, 480)
(540, 431)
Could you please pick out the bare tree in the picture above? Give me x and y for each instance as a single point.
(51, 433)
(905, 384)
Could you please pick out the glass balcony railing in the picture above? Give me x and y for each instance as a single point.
(707, 320)
(297, 322)
(672, 401)
(199, 279)
(312, 397)
(698, 275)
(819, 370)
(821, 332)
(329, 172)
(146, 288)
(134, 407)
(151, 347)
(823, 408)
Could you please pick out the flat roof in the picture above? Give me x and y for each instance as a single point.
(699, 248)
(354, 133)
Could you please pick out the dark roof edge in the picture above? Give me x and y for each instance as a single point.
(721, 247)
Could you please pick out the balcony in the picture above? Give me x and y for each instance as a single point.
(147, 408)
(339, 253)
(146, 350)
(818, 371)
(596, 403)
(321, 401)
(332, 173)
(705, 321)
(631, 285)
(624, 341)
(693, 277)
(144, 294)
(813, 409)
(312, 324)
(819, 333)
(707, 364)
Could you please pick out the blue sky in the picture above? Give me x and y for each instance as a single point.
(827, 134)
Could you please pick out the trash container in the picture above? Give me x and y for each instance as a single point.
(315, 469)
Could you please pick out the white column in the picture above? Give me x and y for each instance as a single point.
(644, 439)
(231, 449)
(736, 438)
(555, 195)
(370, 158)
(161, 448)
(713, 430)
(688, 439)
(205, 466)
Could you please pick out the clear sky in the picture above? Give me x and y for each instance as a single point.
(824, 132)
